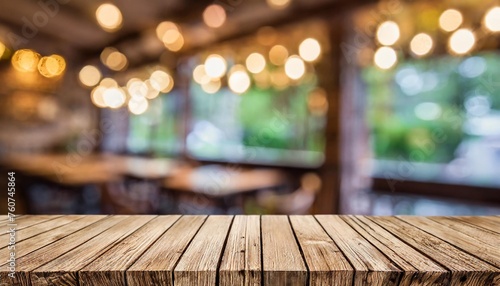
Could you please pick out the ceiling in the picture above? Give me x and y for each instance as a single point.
(71, 29)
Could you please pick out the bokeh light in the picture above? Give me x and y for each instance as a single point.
(199, 74)
(2, 49)
(278, 4)
(114, 97)
(116, 61)
(164, 27)
(159, 80)
(51, 66)
(278, 55)
(109, 17)
(137, 88)
(385, 58)
(309, 50)
(492, 19)
(388, 33)
(295, 67)
(238, 81)
(215, 66)
(462, 41)
(421, 44)
(97, 96)
(450, 20)
(212, 86)
(138, 105)
(255, 63)
(214, 16)
(89, 75)
(25, 60)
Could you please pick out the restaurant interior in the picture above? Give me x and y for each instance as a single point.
(385, 107)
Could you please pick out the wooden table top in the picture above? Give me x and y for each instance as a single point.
(253, 250)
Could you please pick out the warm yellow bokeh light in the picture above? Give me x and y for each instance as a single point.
(108, 82)
(159, 80)
(116, 61)
(2, 49)
(199, 75)
(25, 60)
(212, 86)
(109, 17)
(278, 55)
(173, 40)
(450, 20)
(97, 96)
(388, 33)
(492, 19)
(137, 88)
(309, 50)
(462, 41)
(170, 85)
(214, 16)
(89, 75)
(278, 4)
(114, 97)
(51, 66)
(317, 102)
(138, 105)
(421, 44)
(164, 27)
(385, 58)
(295, 67)
(279, 79)
(152, 92)
(255, 63)
(238, 80)
(215, 66)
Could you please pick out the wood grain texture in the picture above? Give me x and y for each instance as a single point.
(109, 268)
(465, 268)
(23, 223)
(241, 261)
(156, 265)
(326, 263)
(29, 262)
(64, 269)
(480, 222)
(418, 269)
(282, 261)
(372, 266)
(198, 265)
(486, 249)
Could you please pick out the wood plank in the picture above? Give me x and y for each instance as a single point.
(156, 265)
(241, 262)
(372, 267)
(481, 222)
(39, 241)
(198, 265)
(27, 221)
(109, 268)
(326, 263)
(418, 269)
(27, 263)
(486, 236)
(467, 243)
(41, 227)
(282, 261)
(465, 268)
(64, 269)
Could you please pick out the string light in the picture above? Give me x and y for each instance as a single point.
(385, 57)
(114, 97)
(388, 33)
(278, 55)
(97, 96)
(212, 86)
(138, 106)
(199, 75)
(159, 80)
(109, 17)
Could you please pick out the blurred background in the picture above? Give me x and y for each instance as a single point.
(251, 106)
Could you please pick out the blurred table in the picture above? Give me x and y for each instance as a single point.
(254, 250)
